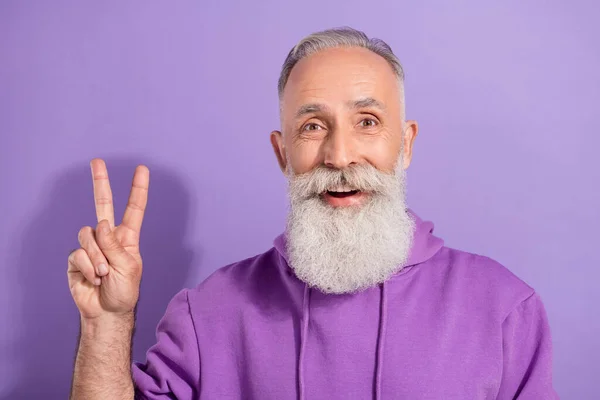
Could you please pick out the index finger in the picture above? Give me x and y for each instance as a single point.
(138, 199)
(102, 193)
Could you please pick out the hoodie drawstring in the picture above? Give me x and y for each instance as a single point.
(380, 341)
(303, 339)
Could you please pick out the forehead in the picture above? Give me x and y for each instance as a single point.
(337, 76)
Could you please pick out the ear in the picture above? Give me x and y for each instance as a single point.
(279, 149)
(411, 129)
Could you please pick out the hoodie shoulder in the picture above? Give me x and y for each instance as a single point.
(468, 277)
(236, 287)
(241, 274)
(481, 279)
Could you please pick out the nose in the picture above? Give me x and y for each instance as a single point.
(339, 150)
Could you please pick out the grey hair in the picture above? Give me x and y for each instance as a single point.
(340, 37)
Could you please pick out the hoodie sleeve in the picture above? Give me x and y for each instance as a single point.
(527, 353)
(172, 368)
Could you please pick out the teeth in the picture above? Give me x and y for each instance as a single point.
(342, 189)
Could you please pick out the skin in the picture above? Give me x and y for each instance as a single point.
(104, 276)
(342, 107)
(351, 114)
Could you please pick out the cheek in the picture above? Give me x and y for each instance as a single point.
(303, 155)
(383, 153)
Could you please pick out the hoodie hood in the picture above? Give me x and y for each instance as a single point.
(425, 245)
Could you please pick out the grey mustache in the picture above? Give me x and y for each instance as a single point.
(363, 177)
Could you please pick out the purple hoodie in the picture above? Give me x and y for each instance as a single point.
(450, 325)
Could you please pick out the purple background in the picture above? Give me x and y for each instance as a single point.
(507, 95)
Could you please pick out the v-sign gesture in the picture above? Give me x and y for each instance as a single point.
(105, 273)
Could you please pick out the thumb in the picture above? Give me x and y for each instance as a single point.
(116, 255)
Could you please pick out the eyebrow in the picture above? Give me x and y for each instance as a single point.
(310, 109)
(367, 102)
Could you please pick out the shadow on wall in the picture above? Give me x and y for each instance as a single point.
(46, 345)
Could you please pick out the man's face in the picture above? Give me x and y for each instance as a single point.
(342, 107)
(344, 148)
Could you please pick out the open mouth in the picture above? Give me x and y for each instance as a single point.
(344, 197)
(344, 194)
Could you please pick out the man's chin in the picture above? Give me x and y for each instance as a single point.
(347, 247)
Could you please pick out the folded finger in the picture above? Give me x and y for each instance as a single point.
(79, 261)
(87, 240)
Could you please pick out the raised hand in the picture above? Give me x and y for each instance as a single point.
(105, 272)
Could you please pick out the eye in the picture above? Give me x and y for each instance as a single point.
(368, 123)
(311, 127)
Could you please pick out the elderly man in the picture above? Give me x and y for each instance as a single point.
(356, 300)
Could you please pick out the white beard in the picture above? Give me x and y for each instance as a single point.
(348, 249)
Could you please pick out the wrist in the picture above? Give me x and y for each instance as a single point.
(110, 325)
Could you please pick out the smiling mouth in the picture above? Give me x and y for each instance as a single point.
(342, 194)
(344, 197)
